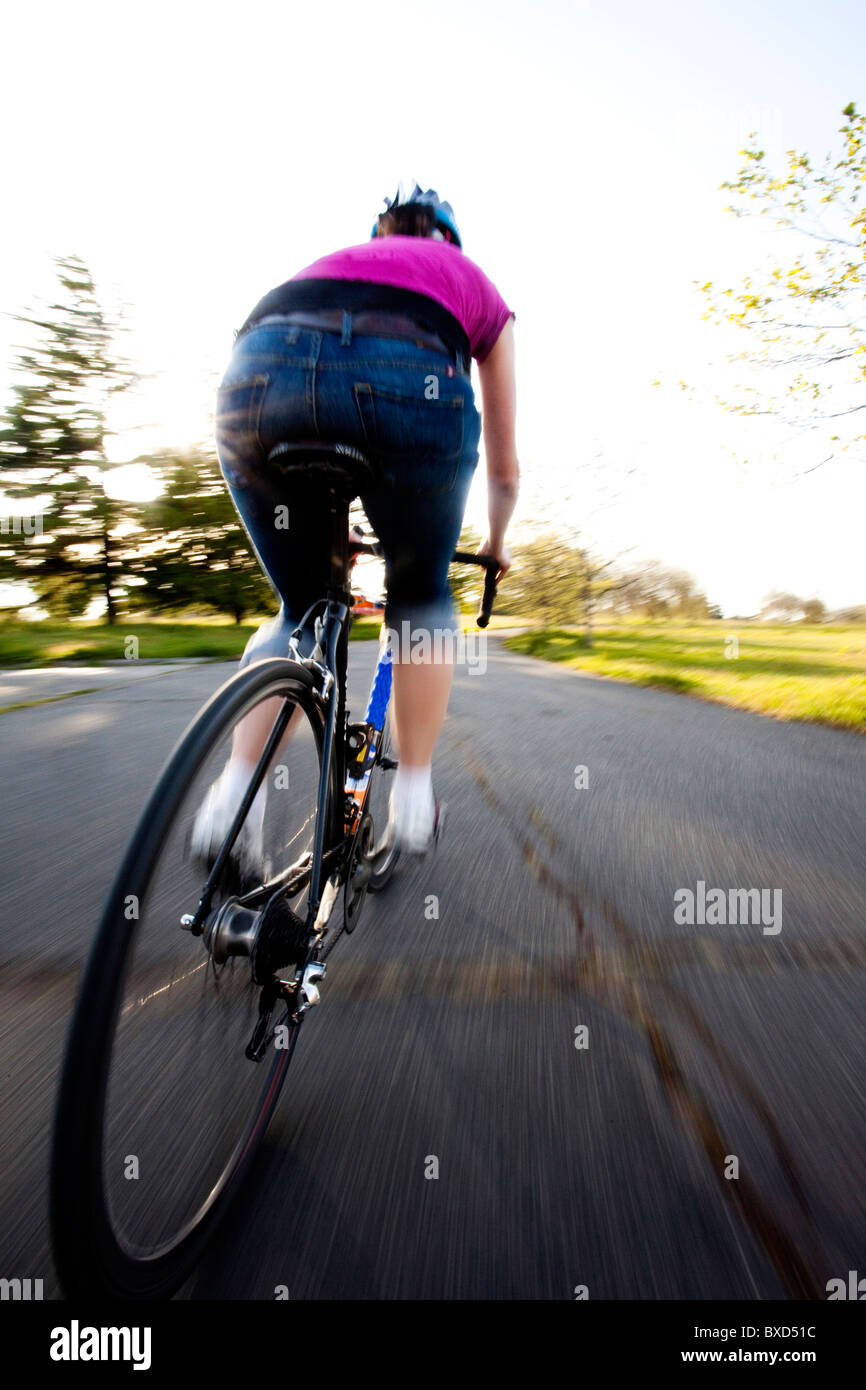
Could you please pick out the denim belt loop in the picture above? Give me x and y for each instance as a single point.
(346, 339)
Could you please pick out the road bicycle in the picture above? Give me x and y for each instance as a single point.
(200, 977)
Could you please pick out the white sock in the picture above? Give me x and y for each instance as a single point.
(234, 781)
(413, 807)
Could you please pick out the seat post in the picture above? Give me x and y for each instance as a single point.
(344, 470)
(339, 588)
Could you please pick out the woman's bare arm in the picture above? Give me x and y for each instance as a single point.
(499, 410)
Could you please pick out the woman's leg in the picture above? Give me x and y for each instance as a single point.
(420, 702)
(419, 532)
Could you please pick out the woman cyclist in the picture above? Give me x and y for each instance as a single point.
(371, 346)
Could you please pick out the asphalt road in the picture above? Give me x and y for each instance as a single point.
(455, 1037)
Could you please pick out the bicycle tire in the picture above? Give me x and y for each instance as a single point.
(92, 1256)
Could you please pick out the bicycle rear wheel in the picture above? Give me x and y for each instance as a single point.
(160, 1111)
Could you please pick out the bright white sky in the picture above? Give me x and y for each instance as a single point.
(196, 154)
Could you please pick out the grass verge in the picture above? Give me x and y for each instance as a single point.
(790, 671)
(52, 644)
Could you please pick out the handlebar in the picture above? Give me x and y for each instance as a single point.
(460, 557)
(487, 562)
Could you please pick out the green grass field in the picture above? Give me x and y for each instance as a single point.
(52, 644)
(791, 671)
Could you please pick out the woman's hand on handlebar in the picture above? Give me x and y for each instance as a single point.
(501, 554)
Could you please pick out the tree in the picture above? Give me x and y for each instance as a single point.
(805, 317)
(788, 608)
(545, 580)
(191, 550)
(657, 592)
(857, 614)
(594, 588)
(52, 445)
(814, 611)
(780, 607)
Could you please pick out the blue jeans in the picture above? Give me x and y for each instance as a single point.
(410, 409)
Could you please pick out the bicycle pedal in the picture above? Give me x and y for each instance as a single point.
(388, 764)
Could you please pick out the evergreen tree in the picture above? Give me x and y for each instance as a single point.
(52, 446)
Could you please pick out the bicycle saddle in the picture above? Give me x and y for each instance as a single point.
(340, 464)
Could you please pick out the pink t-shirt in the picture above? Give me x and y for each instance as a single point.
(433, 268)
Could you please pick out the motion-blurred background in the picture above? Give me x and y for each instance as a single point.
(671, 198)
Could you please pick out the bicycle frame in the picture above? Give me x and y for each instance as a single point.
(336, 828)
